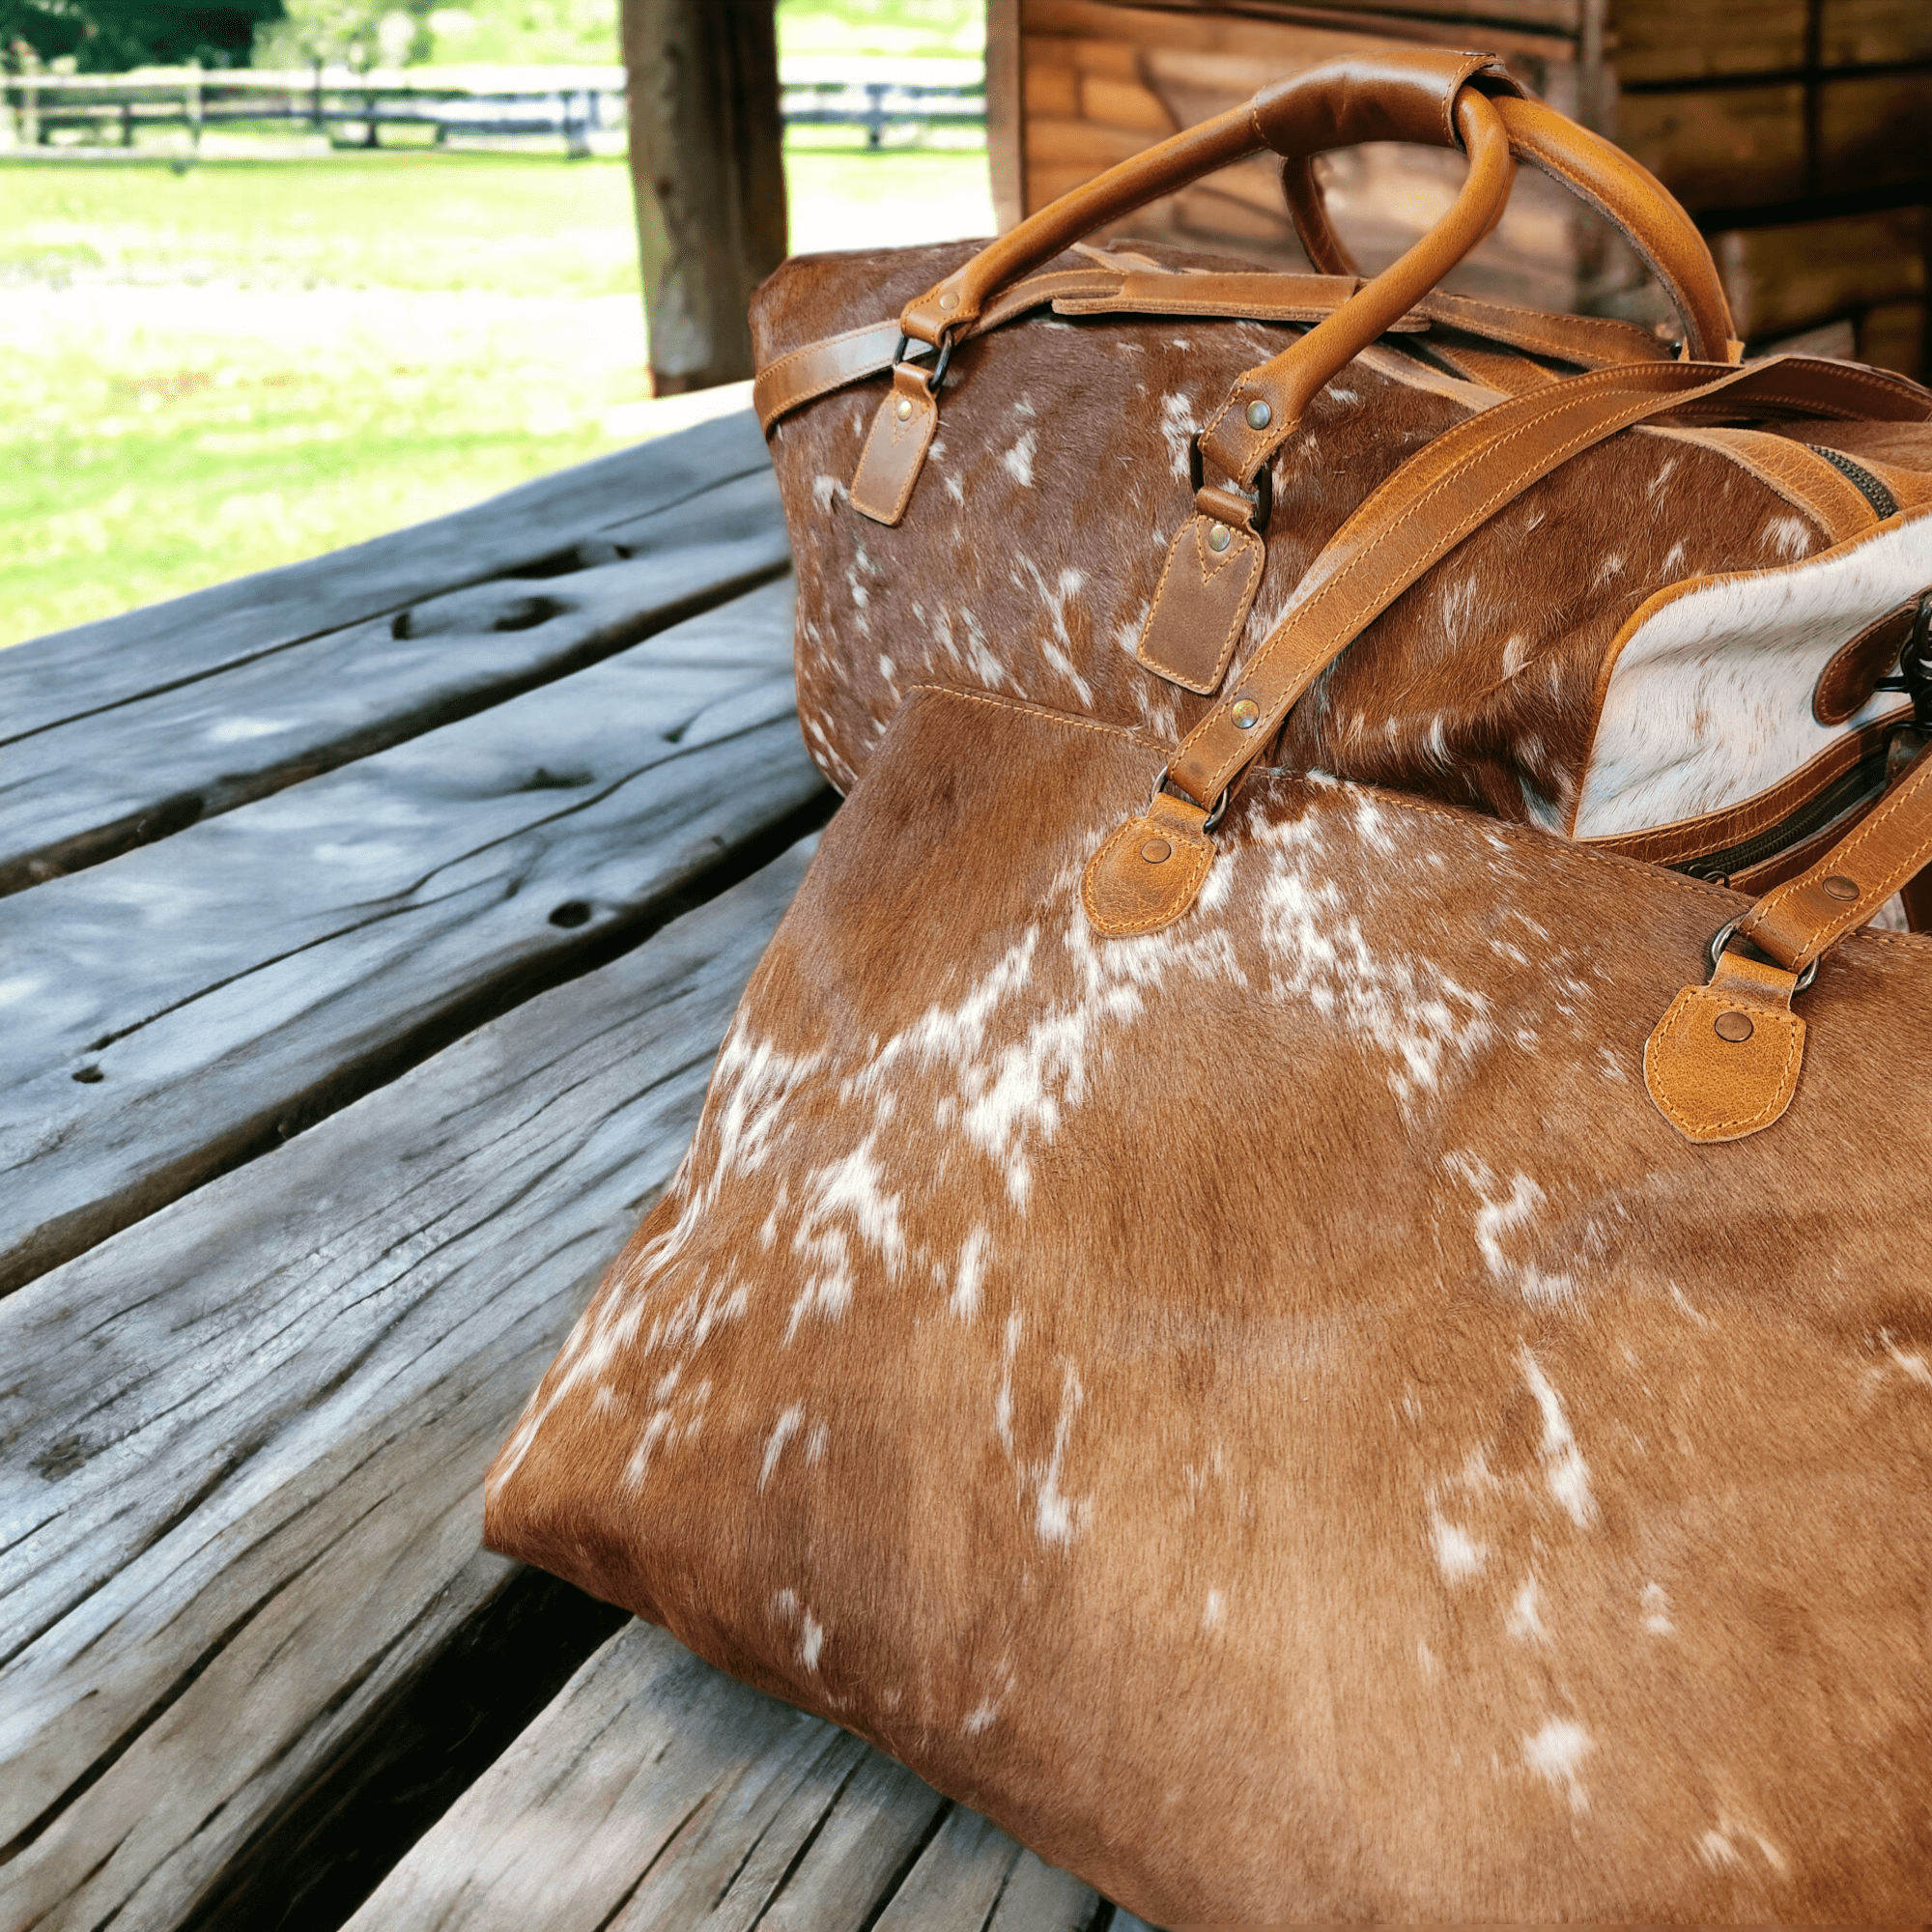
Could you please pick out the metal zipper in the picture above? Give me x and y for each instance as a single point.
(1850, 788)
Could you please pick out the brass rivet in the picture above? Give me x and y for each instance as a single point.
(949, 299)
(1246, 714)
(1156, 851)
(905, 408)
(1840, 887)
(1220, 537)
(1733, 1027)
(1260, 415)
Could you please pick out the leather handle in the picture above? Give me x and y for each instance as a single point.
(1408, 96)
(1600, 175)
(1891, 845)
(1452, 486)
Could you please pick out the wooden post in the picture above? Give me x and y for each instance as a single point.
(707, 170)
(1005, 121)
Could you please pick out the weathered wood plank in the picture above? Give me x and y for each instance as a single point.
(182, 1007)
(77, 673)
(80, 792)
(656, 1793)
(242, 1444)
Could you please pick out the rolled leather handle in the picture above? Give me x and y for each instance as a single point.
(1601, 176)
(1394, 97)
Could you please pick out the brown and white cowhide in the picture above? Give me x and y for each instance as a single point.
(1027, 559)
(1269, 1412)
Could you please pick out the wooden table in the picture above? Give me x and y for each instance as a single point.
(371, 924)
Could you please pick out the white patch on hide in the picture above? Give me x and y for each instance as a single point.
(1500, 1216)
(1457, 1554)
(1563, 1466)
(783, 1431)
(846, 1191)
(1406, 1009)
(1216, 1611)
(1555, 1753)
(1708, 700)
(973, 1253)
(1018, 462)
(1656, 1605)
(1525, 1621)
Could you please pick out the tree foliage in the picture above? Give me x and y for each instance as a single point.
(111, 36)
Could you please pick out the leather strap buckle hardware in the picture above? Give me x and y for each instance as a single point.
(1724, 936)
(1214, 817)
(936, 375)
(1262, 497)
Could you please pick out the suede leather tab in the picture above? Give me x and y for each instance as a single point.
(1711, 1087)
(1149, 870)
(894, 451)
(1201, 604)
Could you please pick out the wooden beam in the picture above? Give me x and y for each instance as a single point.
(707, 171)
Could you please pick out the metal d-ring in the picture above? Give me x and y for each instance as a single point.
(1264, 492)
(936, 375)
(1212, 819)
(1722, 937)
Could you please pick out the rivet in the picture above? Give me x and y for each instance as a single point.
(1220, 537)
(1840, 887)
(1733, 1027)
(905, 408)
(949, 299)
(1260, 415)
(1156, 851)
(1246, 714)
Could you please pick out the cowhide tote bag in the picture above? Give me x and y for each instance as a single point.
(1098, 478)
(1312, 1353)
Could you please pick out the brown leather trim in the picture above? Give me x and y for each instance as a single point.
(1796, 921)
(1497, 369)
(1848, 683)
(1801, 857)
(1688, 839)
(1801, 477)
(1591, 342)
(1256, 298)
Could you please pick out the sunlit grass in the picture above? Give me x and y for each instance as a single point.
(210, 373)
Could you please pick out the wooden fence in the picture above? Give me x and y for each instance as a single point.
(352, 110)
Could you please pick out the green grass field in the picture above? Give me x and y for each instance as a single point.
(208, 373)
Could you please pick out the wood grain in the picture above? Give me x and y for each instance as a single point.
(180, 1008)
(242, 1444)
(85, 670)
(86, 790)
(656, 1793)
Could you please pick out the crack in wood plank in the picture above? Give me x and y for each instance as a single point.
(86, 791)
(176, 1010)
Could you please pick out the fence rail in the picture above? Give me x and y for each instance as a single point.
(114, 108)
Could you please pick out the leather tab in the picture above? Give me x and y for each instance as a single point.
(1201, 604)
(1850, 681)
(894, 451)
(1723, 1062)
(1149, 870)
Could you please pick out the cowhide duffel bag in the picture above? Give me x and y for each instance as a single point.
(1104, 484)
